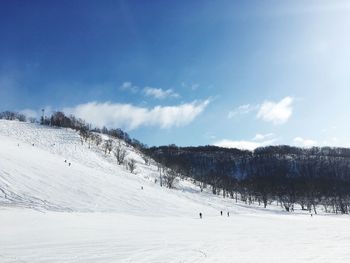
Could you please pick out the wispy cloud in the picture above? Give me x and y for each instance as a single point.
(276, 112)
(269, 111)
(128, 86)
(261, 137)
(193, 86)
(301, 142)
(128, 116)
(159, 93)
(243, 109)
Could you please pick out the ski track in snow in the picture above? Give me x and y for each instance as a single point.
(95, 211)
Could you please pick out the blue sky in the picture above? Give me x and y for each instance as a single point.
(231, 73)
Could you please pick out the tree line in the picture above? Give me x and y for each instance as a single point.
(12, 115)
(287, 175)
(60, 119)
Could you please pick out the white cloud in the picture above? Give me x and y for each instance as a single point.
(37, 113)
(276, 112)
(329, 142)
(259, 140)
(159, 93)
(261, 137)
(128, 86)
(130, 117)
(30, 113)
(244, 145)
(193, 86)
(243, 109)
(301, 142)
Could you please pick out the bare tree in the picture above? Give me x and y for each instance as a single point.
(108, 146)
(170, 178)
(98, 139)
(160, 167)
(120, 153)
(146, 159)
(84, 135)
(32, 120)
(21, 117)
(10, 115)
(132, 165)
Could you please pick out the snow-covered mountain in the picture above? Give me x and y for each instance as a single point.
(95, 210)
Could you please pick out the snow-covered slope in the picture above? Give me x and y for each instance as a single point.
(96, 211)
(33, 173)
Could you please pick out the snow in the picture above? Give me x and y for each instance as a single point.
(30, 236)
(95, 211)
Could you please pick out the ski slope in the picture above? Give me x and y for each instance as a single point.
(95, 211)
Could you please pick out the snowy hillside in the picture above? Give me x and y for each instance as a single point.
(33, 173)
(95, 210)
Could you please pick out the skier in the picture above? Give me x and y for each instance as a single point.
(141, 187)
(228, 214)
(221, 213)
(200, 215)
(69, 164)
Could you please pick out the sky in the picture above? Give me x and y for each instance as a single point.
(229, 73)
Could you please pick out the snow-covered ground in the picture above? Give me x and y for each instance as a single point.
(96, 211)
